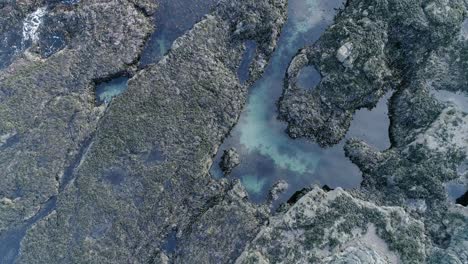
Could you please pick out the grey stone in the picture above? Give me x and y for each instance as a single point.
(229, 160)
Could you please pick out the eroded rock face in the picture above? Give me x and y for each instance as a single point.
(371, 48)
(194, 91)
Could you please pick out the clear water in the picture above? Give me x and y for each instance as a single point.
(308, 78)
(107, 90)
(455, 190)
(243, 71)
(267, 153)
(172, 19)
(459, 99)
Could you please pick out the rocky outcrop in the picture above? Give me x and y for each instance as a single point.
(130, 183)
(371, 48)
(336, 227)
(122, 207)
(404, 186)
(47, 104)
(229, 160)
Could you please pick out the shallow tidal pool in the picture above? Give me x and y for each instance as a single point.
(267, 153)
(107, 90)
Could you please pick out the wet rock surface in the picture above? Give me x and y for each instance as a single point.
(371, 48)
(402, 186)
(120, 207)
(47, 107)
(229, 160)
(128, 181)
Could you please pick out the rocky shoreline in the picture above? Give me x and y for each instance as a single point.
(130, 180)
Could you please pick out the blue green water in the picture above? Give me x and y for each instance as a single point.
(107, 90)
(267, 153)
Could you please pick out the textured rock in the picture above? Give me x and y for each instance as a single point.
(336, 227)
(47, 109)
(371, 48)
(229, 160)
(122, 206)
(131, 181)
(415, 47)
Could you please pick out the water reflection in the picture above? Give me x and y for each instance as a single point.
(267, 153)
(455, 190)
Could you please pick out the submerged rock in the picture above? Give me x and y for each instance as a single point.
(277, 189)
(229, 160)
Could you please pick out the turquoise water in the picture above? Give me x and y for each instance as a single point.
(267, 153)
(107, 90)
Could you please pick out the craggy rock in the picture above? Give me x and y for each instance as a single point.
(277, 189)
(221, 232)
(47, 108)
(139, 189)
(402, 213)
(336, 227)
(123, 206)
(373, 46)
(413, 176)
(229, 160)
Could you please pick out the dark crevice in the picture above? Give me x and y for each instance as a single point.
(10, 142)
(110, 77)
(297, 196)
(143, 10)
(463, 200)
(69, 172)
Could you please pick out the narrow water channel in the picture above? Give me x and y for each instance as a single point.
(267, 153)
(172, 19)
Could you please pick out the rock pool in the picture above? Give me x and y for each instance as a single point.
(267, 153)
(107, 90)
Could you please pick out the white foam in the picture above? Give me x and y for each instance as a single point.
(31, 24)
